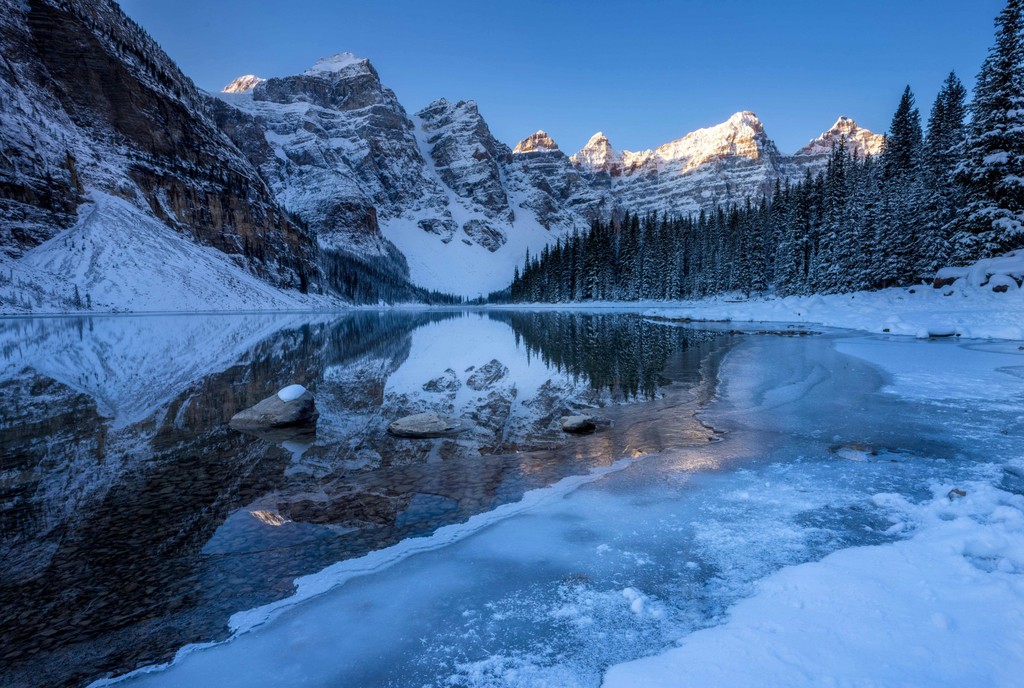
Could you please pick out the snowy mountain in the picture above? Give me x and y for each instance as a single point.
(243, 84)
(342, 153)
(316, 182)
(859, 141)
(437, 188)
(719, 165)
(598, 156)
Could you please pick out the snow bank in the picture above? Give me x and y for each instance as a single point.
(915, 612)
(982, 273)
(985, 373)
(961, 309)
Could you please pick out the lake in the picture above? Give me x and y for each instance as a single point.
(136, 522)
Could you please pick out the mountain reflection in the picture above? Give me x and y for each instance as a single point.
(624, 355)
(135, 521)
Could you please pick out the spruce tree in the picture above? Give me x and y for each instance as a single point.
(992, 219)
(944, 148)
(901, 235)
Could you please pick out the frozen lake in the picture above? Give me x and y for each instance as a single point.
(136, 523)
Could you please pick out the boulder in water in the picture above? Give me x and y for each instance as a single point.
(578, 424)
(292, 406)
(426, 425)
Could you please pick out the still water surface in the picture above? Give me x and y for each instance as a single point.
(135, 521)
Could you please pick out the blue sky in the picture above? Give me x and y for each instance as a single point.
(644, 72)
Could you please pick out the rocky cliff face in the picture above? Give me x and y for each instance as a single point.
(465, 155)
(555, 190)
(91, 102)
(814, 156)
(337, 147)
(599, 157)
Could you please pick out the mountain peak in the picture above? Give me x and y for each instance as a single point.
(535, 143)
(860, 142)
(740, 136)
(243, 84)
(599, 156)
(742, 120)
(336, 63)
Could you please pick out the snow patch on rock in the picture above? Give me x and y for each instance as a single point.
(291, 392)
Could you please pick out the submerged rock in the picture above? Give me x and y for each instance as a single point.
(292, 406)
(579, 424)
(427, 425)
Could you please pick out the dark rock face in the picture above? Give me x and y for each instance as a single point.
(485, 234)
(553, 187)
(275, 412)
(487, 375)
(40, 183)
(466, 156)
(447, 382)
(346, 159)
(117, 115)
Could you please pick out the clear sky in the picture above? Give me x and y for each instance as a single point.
(644, 72)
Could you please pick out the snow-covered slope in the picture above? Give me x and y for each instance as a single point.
(119, 258)
(115, 116)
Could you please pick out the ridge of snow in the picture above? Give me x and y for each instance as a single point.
(243, 84)
(967, 308)
(741, 135)
(291, 392)
(337, 62)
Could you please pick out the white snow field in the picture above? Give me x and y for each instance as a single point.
(814, 545)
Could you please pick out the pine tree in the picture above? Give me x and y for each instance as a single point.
(901, 235)
(992, 219)
(943, 151)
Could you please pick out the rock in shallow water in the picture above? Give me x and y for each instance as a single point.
(289, 407)
(426, 425)
(578, 424)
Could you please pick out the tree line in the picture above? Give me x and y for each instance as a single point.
(949, 195)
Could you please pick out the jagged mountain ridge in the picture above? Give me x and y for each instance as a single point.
(319, 181)
(462, 207)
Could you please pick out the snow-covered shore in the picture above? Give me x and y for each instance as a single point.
(966, 305)
(942, 608)
(967, 311)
